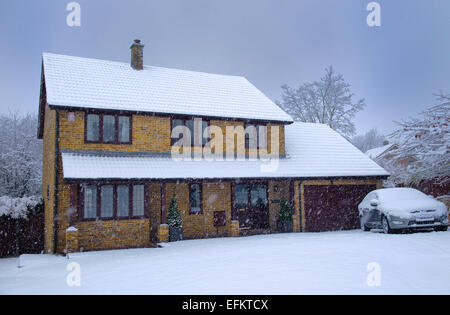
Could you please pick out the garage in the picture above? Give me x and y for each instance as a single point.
(333, 207)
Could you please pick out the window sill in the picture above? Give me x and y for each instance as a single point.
(113, 219)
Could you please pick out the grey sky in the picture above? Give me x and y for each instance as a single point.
(396, 67)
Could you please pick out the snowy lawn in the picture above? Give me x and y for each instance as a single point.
(298, 263)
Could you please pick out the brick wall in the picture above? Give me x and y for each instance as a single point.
(48, 176)
(277, 191)
(149, 134)
(113, 234)
(216, 197)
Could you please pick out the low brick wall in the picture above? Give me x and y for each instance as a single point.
(113, 234)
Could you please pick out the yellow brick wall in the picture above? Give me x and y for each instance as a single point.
(230, 141)
(193, 224)
(274, 207)
(149, 134)
(63, 218)
(48, 176)
(216, 196)
(113, 234)
(154, 204)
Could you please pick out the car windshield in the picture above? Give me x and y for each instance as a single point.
(394, 194)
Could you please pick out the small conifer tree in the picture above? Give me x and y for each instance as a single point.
(285, 211)
(173, 217)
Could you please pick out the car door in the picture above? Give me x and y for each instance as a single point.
(365, 211)
(373, 214)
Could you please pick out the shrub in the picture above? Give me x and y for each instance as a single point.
(173, 217)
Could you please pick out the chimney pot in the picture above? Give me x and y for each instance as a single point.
(137, 55)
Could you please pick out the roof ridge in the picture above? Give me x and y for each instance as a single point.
(145, 66)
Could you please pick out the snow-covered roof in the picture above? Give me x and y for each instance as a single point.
(313, 150)
(92, 83)
(376, 152)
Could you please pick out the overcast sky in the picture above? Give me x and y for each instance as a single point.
(396, 67)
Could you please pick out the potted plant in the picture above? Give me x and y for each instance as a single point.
(175, 222)
(284, 223)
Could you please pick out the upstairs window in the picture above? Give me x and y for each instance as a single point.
(93, 127)
(260, 138)
(108, 128)
(194, 129)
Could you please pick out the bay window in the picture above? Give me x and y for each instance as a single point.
(113, 201)
(107, 201)
(90, 202)
(123, 201)
(138, 200)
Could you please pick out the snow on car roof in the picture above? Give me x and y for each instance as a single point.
(100, 84)
(399, 193)
(313, 150)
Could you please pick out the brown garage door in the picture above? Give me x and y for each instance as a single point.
(333, 207)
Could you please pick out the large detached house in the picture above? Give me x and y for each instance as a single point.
(110, 173)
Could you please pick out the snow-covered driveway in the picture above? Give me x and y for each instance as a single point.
(298, 263)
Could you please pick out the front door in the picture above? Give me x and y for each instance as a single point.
(251, 203)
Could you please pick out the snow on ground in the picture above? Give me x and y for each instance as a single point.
(296, 263)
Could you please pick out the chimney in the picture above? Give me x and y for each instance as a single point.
(137, 55)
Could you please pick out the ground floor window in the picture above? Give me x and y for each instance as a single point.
(195, 199)
(113, 201)
(250, 195)
(251, 205)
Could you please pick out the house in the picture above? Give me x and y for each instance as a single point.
(385, 155)
(112, 159)
(382, 151)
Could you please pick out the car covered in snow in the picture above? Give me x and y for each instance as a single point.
(400, 209)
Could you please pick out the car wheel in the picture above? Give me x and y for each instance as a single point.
(362, 225)
(441, 228)
(385, 224)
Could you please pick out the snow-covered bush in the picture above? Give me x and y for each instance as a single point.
(427, 140)
(18, 207)
(20, 156)
(285, 211)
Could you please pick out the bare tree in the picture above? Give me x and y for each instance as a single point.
(371, 139)
(328, 101)
(20, 156)
(427, 140)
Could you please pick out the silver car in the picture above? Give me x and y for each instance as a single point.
(400, 209)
